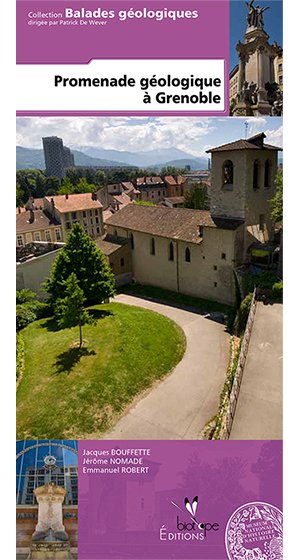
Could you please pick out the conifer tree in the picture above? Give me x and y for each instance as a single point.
(81, 256)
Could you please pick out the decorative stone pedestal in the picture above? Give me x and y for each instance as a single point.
(54, 550)
(50, 540)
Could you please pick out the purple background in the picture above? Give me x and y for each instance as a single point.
(120, 515)
(206, 37)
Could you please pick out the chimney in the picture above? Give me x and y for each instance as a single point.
(94, 195)
(31, 216)
(67, 196)
(19, 210)
(52, 203)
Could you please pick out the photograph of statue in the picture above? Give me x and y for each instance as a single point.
(256, 79)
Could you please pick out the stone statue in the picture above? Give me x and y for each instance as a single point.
(251, 11)
(50, 540)
(277, 107)
(248, 93)
(259, 15)
(255, 15)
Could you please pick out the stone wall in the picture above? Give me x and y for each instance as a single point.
(229, 413)
(209, 274)
(32, 273)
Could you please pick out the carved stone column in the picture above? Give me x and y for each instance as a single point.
(50, 540)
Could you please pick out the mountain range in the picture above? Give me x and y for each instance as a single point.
(86, 156)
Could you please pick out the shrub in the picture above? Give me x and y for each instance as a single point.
(265, 281)
(41, 309)
(242, 315)
(25, 296)
(19, 356)
(277, 290)
(24, 315)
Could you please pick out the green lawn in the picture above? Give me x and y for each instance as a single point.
(67, 393)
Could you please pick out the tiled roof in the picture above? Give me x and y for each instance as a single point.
(110, 245)
(38, 204)
(41, 221)
(175, 199)
(253, 143)
(174, 223)
(128, 186)
(123, 199)
(107, 214)
(74, 202)
(179, 180)
(149, 181)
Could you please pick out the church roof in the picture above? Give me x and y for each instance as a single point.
(174, 223)
(253, 143)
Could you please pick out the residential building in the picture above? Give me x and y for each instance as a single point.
(37, 225)
(57, 156)
(68, 158)
(176, 186)
(152, 189)
(69, 209)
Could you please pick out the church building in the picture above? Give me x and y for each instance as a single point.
(196, 252)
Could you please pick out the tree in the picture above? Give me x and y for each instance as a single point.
(70, 311)
(67, 187)
(99, 177)
(171, 170)
(81, 255)
(197, 198)
(277, 200)
(19, 196)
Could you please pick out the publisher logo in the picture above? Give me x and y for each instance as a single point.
(254, 532)
(188, 525)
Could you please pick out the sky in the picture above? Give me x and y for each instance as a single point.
(238, 23)
(193, 135)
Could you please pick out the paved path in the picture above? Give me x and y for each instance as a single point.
(180, 406)
(259, 408)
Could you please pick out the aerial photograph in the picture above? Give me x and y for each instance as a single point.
(149, 278)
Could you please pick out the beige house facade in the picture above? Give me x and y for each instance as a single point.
(37, 225)
(69, 209)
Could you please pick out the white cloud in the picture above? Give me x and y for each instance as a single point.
(193, 135)
(275, 136)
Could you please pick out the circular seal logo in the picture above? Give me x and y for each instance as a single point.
(254, 532)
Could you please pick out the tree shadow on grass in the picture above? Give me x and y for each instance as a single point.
(99, 313)
(66, 361)
(52, 326)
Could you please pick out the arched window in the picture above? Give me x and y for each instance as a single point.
(256, 175)
(267, 179)
(227, 175)
(171, 251)
(131, 241)
(187, 255)
(152, 246)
